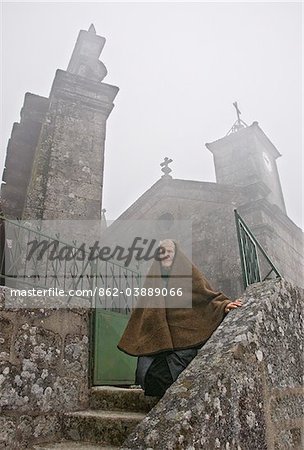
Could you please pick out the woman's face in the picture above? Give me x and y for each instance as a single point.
(168, 255)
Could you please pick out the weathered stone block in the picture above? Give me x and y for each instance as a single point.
(242, 391)
(39, 345)
(7, 432)
(75, 358)
(45, 371)
(6, 328)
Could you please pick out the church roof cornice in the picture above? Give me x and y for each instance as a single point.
(177, 188)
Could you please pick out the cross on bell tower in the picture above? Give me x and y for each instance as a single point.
(239, 123)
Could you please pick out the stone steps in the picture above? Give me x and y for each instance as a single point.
(72, 445)
(114, 413)
(103, 427)
(122, 399)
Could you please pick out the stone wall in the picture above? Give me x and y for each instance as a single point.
(20, 154)
(243, 391)
(44, 371)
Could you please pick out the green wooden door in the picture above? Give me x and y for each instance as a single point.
(111, 366)
(114, 304)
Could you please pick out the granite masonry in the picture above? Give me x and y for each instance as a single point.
(21, 152)
(244, 390)
(43, 371)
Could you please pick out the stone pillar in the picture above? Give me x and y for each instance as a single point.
(66, 139)
(67, 176)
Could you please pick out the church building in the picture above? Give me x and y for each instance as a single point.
(247, 179)
(53, 359)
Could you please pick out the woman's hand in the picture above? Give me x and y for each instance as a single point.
(233, 305)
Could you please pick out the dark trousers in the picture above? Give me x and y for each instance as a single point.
(156, 373)
(158, 377)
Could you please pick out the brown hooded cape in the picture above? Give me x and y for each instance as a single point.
(152, 330)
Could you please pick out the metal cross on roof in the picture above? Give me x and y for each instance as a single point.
(238, 112)
(165, 167)
(239, 123)
(103, 220)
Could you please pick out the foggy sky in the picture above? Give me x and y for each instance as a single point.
(179, 67)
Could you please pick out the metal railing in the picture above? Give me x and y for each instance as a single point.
(108, 284)
(256, 265)
(113, 284)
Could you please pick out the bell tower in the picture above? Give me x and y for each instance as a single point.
(246, 156)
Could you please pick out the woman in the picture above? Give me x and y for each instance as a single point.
(164, 335)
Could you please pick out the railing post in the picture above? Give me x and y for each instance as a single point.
(241, 250)
(251, 267)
